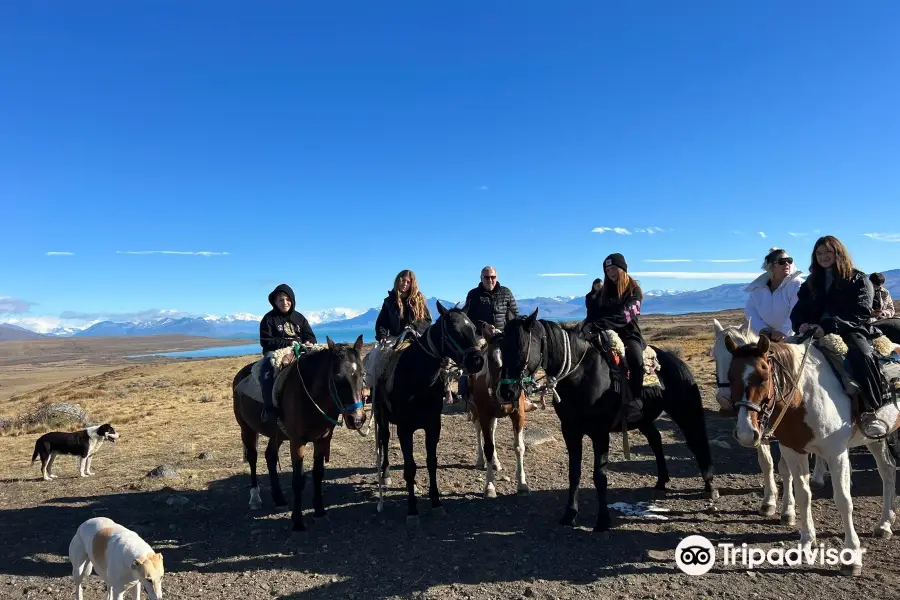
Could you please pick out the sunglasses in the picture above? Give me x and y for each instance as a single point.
(785, 261)
(489, 277)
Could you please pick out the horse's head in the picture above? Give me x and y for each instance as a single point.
(458, 338)
(752, 387)
(741, 335)
(521, 351)
(346, 382)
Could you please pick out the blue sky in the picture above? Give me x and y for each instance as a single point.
(331, 145)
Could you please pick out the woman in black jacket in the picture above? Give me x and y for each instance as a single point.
(592, 301)
(837, 298)
(404, 307)
(620, 305)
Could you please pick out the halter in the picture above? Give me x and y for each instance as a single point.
(437, 352)
(565, 368)
(333, 392)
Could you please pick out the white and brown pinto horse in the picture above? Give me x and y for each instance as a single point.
(485, 408)
(802, 403)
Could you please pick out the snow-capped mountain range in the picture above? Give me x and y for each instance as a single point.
(246, 325)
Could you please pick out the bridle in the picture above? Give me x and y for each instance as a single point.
(438, 351)
(333, 392)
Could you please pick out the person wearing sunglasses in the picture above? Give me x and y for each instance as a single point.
(773, 295)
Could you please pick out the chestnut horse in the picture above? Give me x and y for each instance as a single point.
(321, 387)
(485, 408)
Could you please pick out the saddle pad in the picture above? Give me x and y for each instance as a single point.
(387, 376)
(833, 343)
(651, 363)
(250, 385)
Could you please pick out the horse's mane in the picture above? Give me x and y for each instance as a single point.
(568, 325)
(741, 336)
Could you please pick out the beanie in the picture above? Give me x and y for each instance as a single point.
(616, 260)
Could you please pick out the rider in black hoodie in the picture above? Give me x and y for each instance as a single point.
(281, 327)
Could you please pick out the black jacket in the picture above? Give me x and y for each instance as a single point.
(592, 304)
(491, 307)
(844, 309)
(278, 330)
(621, 314)
(390, 323)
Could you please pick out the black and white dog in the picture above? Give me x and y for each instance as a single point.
(83, 444)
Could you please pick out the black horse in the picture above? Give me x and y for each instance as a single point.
(590, 406)
(417, 399)
(890, 328)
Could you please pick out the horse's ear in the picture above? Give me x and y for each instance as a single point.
(530, 319)
(509, 315)
(465, 307)
(331, 344)
(717, 327)
(762, 346)
(359, 343)
(730, 344)
(441, 310)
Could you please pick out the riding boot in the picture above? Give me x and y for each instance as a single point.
(635, 384)
(635, 404)
(868, 377)
(269, 413)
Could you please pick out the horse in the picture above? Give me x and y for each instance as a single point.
(743, 335)
(485, 409)
(321, 387)
(411, 396)
(587, 403)
(790, 391)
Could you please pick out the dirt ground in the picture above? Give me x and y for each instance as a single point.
(509, 547)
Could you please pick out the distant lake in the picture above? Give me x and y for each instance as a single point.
(336, 335)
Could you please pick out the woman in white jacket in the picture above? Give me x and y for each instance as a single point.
(773, 295)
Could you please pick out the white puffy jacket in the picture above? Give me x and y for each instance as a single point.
(772, 309)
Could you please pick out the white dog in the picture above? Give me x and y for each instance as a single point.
(119, 556)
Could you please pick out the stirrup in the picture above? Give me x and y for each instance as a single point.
(872, 420)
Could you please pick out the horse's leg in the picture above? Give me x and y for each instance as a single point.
(687, 412)
(648, 428)
(572, 435)
(405, 435)
(799, 466)
(495, 460)
(320, 450)
(487, 424)
(272, 449)
(888, 471)
(770, 489)
(249, 438)
(432, 437)
(479, 443)
(788, 503)
(518, 423)
(817, 481)
(298, 481)
(384, 441)
(600, 440)
(840, 484)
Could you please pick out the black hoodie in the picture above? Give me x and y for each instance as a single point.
(390, 323)
(279, 330)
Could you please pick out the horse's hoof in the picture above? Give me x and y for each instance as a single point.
(490, 491)
(439, 511)
(568, 519)
(388, 481)
(379, 507)
(884, 532)
(789, 520)
(412, 521)
(498, 467)
(480, 465)
(711, 494)
(851, 570)
(660, 492)
(255, 505)
(767, 510)
(523, 490)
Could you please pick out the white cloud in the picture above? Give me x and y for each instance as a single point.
(796, 234)
(696, 274)
(884, 237)
(619, 230)
(561, 274)
(483, 188)
(762, 234)
(10, 305)
(60, 254)
(738, 232)
(728, 260)
(200, 253)
(650, 230)
(667, 260)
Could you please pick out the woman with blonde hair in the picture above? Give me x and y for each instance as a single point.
(620, 305)
(837, 298)
(773, 295)
(404, 307)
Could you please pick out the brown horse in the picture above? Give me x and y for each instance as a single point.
(321, 387)
(485, 408)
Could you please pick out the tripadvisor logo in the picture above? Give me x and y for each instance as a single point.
(696, 555)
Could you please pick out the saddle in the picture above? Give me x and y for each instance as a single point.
(381, 363)
(613, 349)
(281, 359)
(886, 353)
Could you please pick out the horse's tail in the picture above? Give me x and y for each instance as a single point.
(37, 451)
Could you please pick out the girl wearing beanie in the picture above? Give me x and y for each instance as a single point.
(620, 305)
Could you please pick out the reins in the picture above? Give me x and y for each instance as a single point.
(332, 391)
